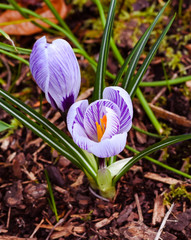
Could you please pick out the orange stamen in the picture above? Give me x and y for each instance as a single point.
(101, 129)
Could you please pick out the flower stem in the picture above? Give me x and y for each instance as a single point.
(102, 163)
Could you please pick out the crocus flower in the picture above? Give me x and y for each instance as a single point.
(101, 127)
(56, 71)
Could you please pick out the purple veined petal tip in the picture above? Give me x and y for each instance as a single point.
(67, 102)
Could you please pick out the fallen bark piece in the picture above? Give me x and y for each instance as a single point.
(14, 196)
(106, 221)
(15, 238)
(170, 116)
(139, 231)
(159, 210)
(182, 221)
(69, 230)
(125, 214)
(157, 177)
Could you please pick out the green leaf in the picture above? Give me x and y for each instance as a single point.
(149, 150)
(47, 137)
(132, 87)
(91, 159)
(104, 50)
(4, 126)
(60, 135)
(161, 164)
(162, 83)
(139, 49)
(116, 52)
(115, 167)
(10, 48)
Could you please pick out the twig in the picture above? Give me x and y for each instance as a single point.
(37, 228)
(159, 94)
(164, 222)
(8, 217)
(138, 207)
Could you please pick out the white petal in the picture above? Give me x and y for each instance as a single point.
(108, 147)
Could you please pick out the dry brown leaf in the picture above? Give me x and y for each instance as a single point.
(27, 27)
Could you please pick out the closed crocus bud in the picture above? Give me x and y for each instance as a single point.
(56, 71)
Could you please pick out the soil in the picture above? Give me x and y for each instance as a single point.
(144, 194)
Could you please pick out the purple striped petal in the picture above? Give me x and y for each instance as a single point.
(122, 99)
(109, 147)
(76, 115)
(94, 113)
(56, 71)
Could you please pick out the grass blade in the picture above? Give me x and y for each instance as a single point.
(149, 150)
(57, 16)
(14, 56)
(104, 50)
(137, 54)
(131, 89)
(10, 48)
(124, 66)
(149, 112)
(116, 52)
(161, 164)
(52, 200)
(164, 82)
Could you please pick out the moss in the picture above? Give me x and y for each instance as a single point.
(176, 193)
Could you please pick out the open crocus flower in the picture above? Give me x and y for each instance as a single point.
(101, 127)
(56, 71)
